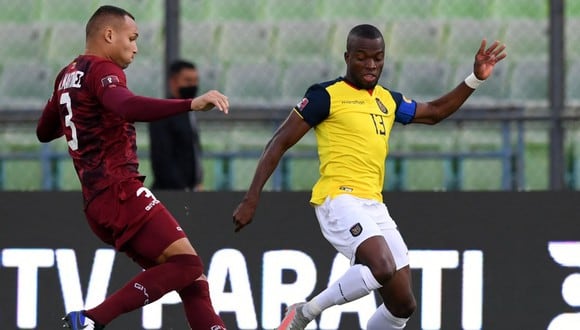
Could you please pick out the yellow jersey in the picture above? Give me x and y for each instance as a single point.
(352, 129)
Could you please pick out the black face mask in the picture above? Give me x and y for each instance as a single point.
(187, 92)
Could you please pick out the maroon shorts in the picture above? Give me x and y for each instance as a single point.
(127, 214)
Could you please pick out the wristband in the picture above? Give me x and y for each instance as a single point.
(472, 82)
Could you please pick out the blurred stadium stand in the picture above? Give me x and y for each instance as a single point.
(425, 79)
(255, 83)
(25, 84)
(528, 38)
(298, 75)
(265, 53)
(529, 83)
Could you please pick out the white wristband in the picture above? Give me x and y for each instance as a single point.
(472, 82)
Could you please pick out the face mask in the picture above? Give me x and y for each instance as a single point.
(187, 92)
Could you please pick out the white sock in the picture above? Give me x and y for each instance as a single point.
(382, 319)
(357, 282)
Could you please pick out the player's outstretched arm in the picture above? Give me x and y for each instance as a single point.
(140, 108)
(441, 108)
(290, 132)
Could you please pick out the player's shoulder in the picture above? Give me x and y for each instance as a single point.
(328, 83)
(324, 84)
(91, 64)
(383, 90)
(315, 106)
(94, 60)
(101, 70)
(321, 89)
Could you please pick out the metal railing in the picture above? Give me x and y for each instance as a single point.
(510, 121)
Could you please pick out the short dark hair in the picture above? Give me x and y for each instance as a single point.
(176, 66)
(365, 31)
(101, 14)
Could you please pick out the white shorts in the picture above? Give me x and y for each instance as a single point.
(346, 221)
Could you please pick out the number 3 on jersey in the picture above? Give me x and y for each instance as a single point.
(66, 101)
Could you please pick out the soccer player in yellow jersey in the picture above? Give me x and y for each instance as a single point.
(353, 117)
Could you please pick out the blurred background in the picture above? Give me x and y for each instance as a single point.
(519, 131)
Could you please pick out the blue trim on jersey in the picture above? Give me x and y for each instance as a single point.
(405, 110)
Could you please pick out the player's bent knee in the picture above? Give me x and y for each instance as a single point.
(187, 268)
(404, 309)
(180, 246)
(383, 271)
(384, 274)
(374, 254)
(198, 288)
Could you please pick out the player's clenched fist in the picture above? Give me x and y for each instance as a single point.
(210, 100)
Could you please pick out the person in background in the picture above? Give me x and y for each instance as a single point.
(174, 141)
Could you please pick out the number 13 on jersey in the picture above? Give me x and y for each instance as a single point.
(379, 124)
(65, 100)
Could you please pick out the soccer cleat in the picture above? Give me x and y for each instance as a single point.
(78, 321)
(294, 318)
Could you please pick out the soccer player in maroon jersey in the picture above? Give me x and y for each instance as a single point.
(92, 107)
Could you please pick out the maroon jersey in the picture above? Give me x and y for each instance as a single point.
(95, 111)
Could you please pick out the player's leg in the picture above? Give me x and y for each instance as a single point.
(352, 231)
(140, 225)
(397, 294)
(198, 307)
(195, 297)
(368, 274)
(399, 303)
(174, 266)
(394, 282)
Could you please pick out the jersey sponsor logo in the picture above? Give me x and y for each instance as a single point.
(302, 104)
(352, 102)
(381, 106)
(217, 327)
(356, 229)
(110, 80)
